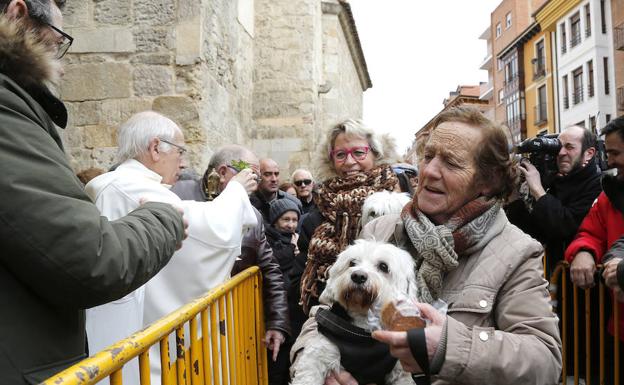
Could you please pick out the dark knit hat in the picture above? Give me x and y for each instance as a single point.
(280, 206)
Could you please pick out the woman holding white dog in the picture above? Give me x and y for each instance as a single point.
(499, 328)
(354, 163)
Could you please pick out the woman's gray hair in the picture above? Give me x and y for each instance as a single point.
(382, 146)
(355, 128)
(134, 136)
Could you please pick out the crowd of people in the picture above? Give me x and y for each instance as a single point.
(91, 258)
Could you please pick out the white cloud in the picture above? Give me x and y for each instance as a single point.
(417, 52)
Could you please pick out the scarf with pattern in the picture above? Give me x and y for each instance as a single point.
(438, 247)
(340, 201)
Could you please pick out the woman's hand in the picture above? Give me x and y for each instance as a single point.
(273, 339)
(399, 348)
(294, 240)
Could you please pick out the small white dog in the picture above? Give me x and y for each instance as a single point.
(382, 203)
(365, 276)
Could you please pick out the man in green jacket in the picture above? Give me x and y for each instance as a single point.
(58, 255)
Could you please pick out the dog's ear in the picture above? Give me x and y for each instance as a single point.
(327, 296)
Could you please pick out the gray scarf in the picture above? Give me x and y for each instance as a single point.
(438, 247)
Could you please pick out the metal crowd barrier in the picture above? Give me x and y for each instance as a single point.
(230, 352)
(559, 280)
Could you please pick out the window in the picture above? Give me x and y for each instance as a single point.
(541, 107)
(498, 30)
(564, 86)
(603, 17)
(592, 124)
(590, 78)
(605, 64)
(499, 64)
(575, 30)
(508, 21)
(587, 21)
(564, 39)
(501, 95)
(539, 62)
(577, 85)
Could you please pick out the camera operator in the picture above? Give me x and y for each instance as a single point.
(559, 209)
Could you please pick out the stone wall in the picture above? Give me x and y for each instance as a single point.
(253, 72)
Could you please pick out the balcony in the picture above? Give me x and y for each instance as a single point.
(590, 90)
(566, 102)
(541, 114)
(539, 67)
(620, 98)
(564, 48)
(487, 63)
(618, 37)
(588, 31)
(575, 39)
(577, 95)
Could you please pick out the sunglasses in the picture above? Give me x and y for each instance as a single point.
(358, 153)
(302, 182)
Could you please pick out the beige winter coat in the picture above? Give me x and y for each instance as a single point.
(501, 329)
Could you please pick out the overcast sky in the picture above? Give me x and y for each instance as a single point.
(417, 52)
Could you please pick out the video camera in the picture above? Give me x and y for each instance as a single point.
(542, 153)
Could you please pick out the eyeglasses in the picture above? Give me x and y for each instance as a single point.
(358, 153)
(181, 150)
(62, 47)
(302, 182)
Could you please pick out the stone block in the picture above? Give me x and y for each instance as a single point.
(154, 12)
(189, 41)
(73, 137)
(246, 15)
(117, 111)
(84, 113)
(116, 12)
(96, 81)
(110, 39)
(76, 14)
(189, 9)
(104, 157)
(180, 109)
(99, 136)
(153, 59)
(152, 39)
(152, 80)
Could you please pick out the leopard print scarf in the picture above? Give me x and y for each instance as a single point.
(438, 247)
(340, 201)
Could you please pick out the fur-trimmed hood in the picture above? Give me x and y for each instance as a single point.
(324, 167)
(24, 58)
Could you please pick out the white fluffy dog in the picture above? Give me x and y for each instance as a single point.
(365, 276)
(382, 203)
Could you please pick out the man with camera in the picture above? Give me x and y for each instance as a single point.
(559, 208)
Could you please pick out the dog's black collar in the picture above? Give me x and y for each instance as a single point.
(367, 359)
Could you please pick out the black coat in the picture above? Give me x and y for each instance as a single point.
(557, 215)
(58, 254)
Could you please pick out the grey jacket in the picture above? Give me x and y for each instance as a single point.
(500, 327)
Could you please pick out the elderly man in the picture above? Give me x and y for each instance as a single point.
(151, 149)
(268, 188)
(255, 251)
(59, 255)
(304, 184)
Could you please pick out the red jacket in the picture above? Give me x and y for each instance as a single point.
(603, 225)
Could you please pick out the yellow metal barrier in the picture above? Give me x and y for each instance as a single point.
(561, 275)
(228, 351)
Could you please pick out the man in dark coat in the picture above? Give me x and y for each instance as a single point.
(59, 256)
(255, 248)
(268, 189)
(557, 213)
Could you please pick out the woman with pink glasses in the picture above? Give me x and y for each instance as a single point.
(352, 163)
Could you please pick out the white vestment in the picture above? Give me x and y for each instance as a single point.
(215, 233)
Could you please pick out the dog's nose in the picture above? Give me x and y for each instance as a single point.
(359, 277)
